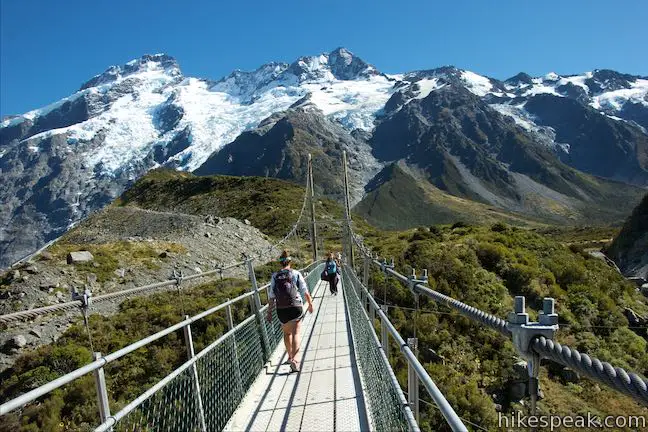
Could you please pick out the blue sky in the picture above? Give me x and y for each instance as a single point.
(48, 48)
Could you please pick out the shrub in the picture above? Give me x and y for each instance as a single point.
(499, 227)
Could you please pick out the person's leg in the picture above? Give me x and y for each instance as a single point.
(295, 340)
(287, 337)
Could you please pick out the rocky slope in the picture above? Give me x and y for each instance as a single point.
(630, 248)
(63, 161)
(279, 148)
(131, 247)
(466, 148)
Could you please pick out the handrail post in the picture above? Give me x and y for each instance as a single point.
(256, 309)
(412, 381)
(102, 391)
(365, 274)
(384, 333)
(190, 354)
(237, 365)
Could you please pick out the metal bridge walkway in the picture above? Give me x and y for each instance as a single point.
(326, 395)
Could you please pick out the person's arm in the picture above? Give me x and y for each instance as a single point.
(303, 288)
(271, 299)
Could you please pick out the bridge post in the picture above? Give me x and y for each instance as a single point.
(384, 333)
(412, 381)
(256, 309)
(312, 207)
(190, 355)
(347, 211)
(102, 393)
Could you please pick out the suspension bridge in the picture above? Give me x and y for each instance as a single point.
(241, 381)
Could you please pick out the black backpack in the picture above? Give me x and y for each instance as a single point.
(286, 291)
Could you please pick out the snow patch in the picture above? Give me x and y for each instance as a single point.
(540, 88)
(577, 80)
(477, 84)
(615, 100)
(427, 86)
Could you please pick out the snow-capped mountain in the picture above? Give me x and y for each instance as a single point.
(62, 161)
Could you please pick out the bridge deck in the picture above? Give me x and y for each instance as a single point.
(326, 395)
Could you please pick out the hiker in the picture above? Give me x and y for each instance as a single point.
(332, 269)
(287, 287)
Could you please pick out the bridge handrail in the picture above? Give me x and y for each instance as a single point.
(448, 412)
(103, 360)
(469, 311)
(113, 419)
(33, 313)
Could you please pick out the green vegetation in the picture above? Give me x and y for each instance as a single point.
(73, 407)
(271, 205)
(485, 267)
(108, 257)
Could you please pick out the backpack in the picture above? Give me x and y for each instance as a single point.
(285, 290)
(331, 268)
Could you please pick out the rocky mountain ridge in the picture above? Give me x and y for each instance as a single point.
(61, 162)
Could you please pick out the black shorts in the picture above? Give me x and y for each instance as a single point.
(290, 314)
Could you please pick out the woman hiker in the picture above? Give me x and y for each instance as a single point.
(332, 269)
(287, 287)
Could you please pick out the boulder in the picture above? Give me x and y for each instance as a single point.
(15, 275)
(163, 254)
(79, 257)
(208, 235)
(46, 286)
(31, 269)
(46, 256)
(14, 344)
(569, 375)
(36, 332)
(120, 272)
(247, 222)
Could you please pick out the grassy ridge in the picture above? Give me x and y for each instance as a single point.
(271, 205)
(402, 202)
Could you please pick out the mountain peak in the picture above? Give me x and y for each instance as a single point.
(339, 64)
(148, 62)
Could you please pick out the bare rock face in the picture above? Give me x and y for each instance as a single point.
(79, 257)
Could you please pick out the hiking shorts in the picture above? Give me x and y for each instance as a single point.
(290, 314)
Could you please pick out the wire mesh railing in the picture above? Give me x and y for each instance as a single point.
(387, 405)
